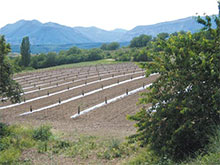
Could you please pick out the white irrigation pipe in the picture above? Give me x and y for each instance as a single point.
(17, 78)
(62, 91)
(41, 83)
(62, 83)
(80, 96)
(110, 101)
(73, 69)
(70, 82)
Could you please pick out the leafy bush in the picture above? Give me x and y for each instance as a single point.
(3, 130)
(13, 140)
(43, 133)
(185, 98)
(9, 156)
(114, 148)
(60, 146)
(146, 157)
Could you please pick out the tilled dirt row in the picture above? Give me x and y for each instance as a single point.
(63, 112)
(109, 120)
(75, 91)
(83, 82)
(65, 74)
(59, 80)
(94, 98)
(72, 79)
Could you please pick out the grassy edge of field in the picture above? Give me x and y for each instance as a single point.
(27, 145)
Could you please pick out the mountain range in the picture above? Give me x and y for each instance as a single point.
(55, 34)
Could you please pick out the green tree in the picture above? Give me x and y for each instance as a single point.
(25, 52)
(94, 54)
(141, 55)
(140, 41)
(73, 50)
(163, 36)
(104, 46)
(113, 46)
(185, 98)
(8, 87)
(110, 46)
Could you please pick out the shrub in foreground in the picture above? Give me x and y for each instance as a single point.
(185, 98)
(43, 133)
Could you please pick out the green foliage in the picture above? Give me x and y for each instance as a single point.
(185, 98)
(73, 55)
(114, 148)
(42, 147)
(3, 130)
(162, 36)
(8, 87)
(43, 133)
(110, 46)
(9, 156)
(13, 140)
(82, 147)
(25, 52)
(60, 146)
(73, 50)
(140, 41)
(146, 157)
(131, 54)
(141, 55)
(211, 154)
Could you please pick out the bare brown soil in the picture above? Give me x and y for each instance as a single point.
(107, 120)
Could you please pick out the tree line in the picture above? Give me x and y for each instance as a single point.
(136, 51)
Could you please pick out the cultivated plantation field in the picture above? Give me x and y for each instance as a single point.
(60, 97)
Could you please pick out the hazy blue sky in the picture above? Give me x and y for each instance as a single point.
(106, 14)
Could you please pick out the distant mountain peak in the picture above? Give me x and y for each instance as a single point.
(54, 33)
(120, 30)
(183, 24)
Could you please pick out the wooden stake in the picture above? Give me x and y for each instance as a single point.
(78, 109)
(83, 92)
(105, 100)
